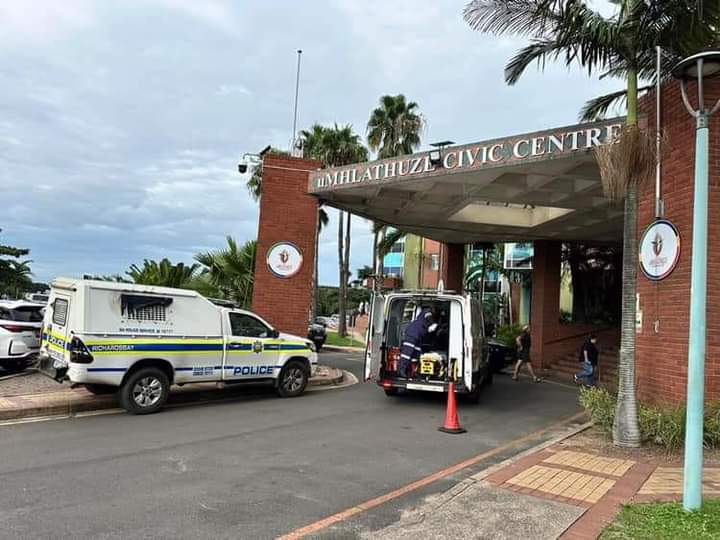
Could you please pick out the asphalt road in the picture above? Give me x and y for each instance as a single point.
(256, 467)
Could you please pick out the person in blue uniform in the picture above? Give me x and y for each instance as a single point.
(415, 334)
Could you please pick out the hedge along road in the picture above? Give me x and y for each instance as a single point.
(256, 467)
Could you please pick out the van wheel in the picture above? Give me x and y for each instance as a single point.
(145, 391)
(293, 379)
(392, 391)
(101, 389)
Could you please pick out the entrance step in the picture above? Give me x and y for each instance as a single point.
(565, 367)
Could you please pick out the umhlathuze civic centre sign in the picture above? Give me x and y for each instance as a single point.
(513, 150)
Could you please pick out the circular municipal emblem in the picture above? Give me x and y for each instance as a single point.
(257, 347)
(659, 250)
(284, 259)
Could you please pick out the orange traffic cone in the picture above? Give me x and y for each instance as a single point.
(452, 423)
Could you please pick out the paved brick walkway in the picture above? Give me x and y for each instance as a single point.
(596, 483)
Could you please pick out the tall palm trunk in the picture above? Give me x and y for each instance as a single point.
(625, 427)
(342, 331)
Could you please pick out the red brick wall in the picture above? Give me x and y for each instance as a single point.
(287, 214)
(662, 356)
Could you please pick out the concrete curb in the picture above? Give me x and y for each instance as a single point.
(338, 348)
(70, 401)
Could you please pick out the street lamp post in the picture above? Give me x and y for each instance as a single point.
(697, 68)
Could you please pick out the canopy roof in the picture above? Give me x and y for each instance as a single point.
(543, 185)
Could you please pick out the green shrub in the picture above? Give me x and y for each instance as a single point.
(601, 405)
(508, 334)
(663, 426)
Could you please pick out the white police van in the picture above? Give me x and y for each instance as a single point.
(138, 340)
(456, 352)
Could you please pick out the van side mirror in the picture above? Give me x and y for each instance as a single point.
(274, 334)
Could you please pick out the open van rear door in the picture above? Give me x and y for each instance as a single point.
(373, 344)
(459, 348)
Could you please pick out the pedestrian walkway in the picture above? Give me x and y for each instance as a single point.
(554, 492)
(599, 484)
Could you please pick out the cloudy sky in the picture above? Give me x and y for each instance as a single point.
(122, 123)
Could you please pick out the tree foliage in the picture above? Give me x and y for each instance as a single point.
(15, 274)
(230, 272)
(164, 273)
(621, 45)
(394, 127)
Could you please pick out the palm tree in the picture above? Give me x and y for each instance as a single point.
(19, 278)
(621, 46)
(393, 130)
(394, 127)
(333, 147)
(163, 273)
(15, 275)
(231, 270)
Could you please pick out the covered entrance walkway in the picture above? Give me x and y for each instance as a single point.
(542, 187)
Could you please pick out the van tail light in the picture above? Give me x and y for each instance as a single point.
(79, 353)
(14, 328)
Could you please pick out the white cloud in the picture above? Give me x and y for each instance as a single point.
(36, 23)
(123, 122)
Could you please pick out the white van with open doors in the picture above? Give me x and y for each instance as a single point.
(458, 344)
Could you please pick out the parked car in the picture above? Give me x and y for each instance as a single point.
(20, 324)
(317, 332)
(500, 355)
(38, 298)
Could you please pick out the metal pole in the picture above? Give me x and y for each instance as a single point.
(297, 91)
(693, 468)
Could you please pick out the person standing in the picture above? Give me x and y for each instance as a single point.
(523, 343)
(415, 334)
(589, 358)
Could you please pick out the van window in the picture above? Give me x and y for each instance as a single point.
(60, 308)
(247, 326)
(144, 308)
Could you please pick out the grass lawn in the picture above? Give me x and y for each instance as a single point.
(659, 521)
(334, 339)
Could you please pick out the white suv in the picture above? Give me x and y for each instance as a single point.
(20, 327)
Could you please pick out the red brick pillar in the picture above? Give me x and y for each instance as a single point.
(662, 344)
(287, 214)
(453, 266)
(545, 307)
